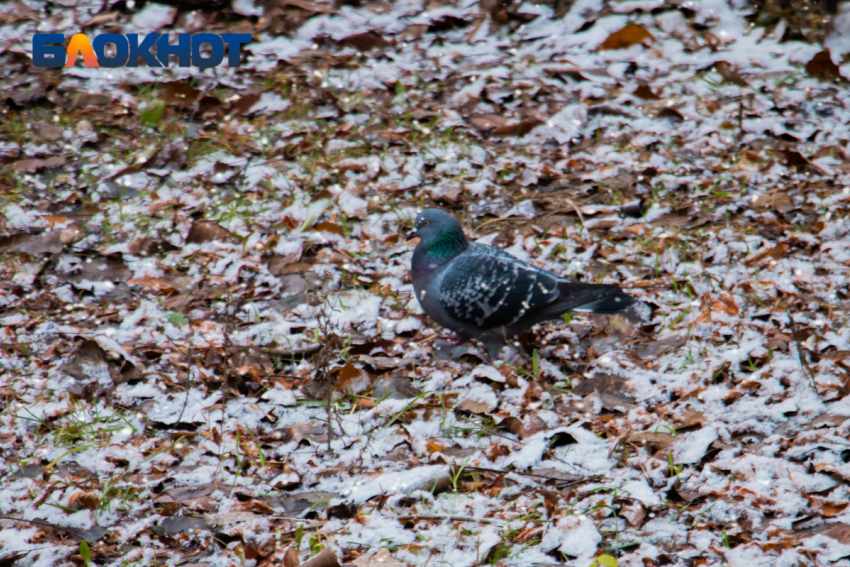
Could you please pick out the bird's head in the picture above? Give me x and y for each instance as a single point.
(433, 224)
(441, 236)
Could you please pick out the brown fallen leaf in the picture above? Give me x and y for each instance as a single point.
(836, 355)
(88, 360)
(614, 386)
(143, 246)
(732, 396)
(660, 440)
(309, 431)
(181, 524)
(657, 348)
(85, 499)
(331, 256)
(34, 164)
(630, 35)
(48, 242)
(102, 18)
(838, 531)
(520, 129)
(828, 507)
(331, 227)
(325, 558)
(671, 114)
(276, 263)
(159, 285)
(351, 378)
(208, 107)
(474, 406)
(243, 105)
(47, 132)
(96, 269)
(366, 41)
(173, 156)
(776, 200)
(685, 217)
(294, 268)
(729, 74)
(645, 93)
(793, 158)
(774, 253)
(209, 231)
(632, 510)
(446, 194)
(515, 426)
(290, 558)
(250, 362)
(822, 67)
(180, 94)
(82, 100)
(560, 74)
(725, 304)
(689, 419)
(260, 507)
(487, 122)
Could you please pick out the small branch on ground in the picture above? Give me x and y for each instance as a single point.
(807, 370)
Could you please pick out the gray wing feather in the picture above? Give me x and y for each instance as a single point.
(487, 288)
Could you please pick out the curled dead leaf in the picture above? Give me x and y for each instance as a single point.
(776, 200)
(775, 253)
(487, 122)
(725, 304)
(645, 93)
(325, 558)
(243, 105)
(34, 165)
(290, 558)
(474, 406)
(632, 510)
(630, 35)
(180, 94)
(82, 100)
(156, 284)
(209, 231)
(520, 129)
(838, 531)
(729, 74)
(658, 440)
(46, 132)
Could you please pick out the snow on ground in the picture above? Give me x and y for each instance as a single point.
(182, 295)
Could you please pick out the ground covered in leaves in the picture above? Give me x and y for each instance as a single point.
(209, 349)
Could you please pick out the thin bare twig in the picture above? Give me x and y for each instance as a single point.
(807, 370)
(578, 212)
(619, 440)
(522, 473)
(429, 518)
(306, 349)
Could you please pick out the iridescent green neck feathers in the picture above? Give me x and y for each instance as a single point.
(447, 243)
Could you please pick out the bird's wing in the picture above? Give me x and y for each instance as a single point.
(492, 290)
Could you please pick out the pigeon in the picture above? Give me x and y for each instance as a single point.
(480, 292)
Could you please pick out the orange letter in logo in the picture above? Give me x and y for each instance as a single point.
(80, 45)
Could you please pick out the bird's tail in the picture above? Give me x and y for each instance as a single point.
(594, 298)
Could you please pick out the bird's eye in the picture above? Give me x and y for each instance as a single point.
(425, 223)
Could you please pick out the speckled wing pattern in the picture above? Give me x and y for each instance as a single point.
(488, 289)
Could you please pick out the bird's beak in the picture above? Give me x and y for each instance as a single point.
(412, 234)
